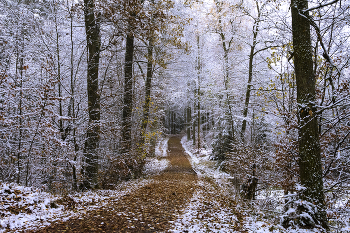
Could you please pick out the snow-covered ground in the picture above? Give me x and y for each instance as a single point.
(205, 215)
(201, 162)
(28, 208)
(162, 147)
(159, 163)
(254, 221)
(155, 166)
(23, 208)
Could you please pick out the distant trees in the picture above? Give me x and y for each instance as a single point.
(62, 92)
(27, 107)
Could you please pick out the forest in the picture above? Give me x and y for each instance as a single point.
(102, 97)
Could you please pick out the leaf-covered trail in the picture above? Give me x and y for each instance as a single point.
(176, 201)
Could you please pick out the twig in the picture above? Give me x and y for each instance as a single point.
(319, 6)
(318, 32)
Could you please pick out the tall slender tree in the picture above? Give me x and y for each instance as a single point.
(148, 86)
(128, 84)
(250, 68)
(92, 29)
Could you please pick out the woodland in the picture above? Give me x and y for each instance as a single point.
(89, 89)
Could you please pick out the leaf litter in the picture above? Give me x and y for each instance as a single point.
(174, 200)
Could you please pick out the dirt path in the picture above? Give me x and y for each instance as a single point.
(156, 207)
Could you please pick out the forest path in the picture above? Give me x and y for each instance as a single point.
(175, 201)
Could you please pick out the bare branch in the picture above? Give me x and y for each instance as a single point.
(319, 36)
(319, 6)
(265, 48)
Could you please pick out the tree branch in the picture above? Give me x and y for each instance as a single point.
(318, 32)
(265, 48)
(319, 6)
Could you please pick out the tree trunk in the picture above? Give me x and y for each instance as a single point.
(174, 122)
(92, 141)
(198, 96)
(188, 121)
(229, 114)
(148, 86)
(20, 113)
(194, 128)
(128, 98)
(199, 125)
(60, 109)
(309, 145)
(250, 72)
(249, 87)
(71, 109)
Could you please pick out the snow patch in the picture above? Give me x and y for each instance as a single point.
(160, 163)
(23, 208)
(155, 166)
(197, 217)
(201, 162)
(162, 148)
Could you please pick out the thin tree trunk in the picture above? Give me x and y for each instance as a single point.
(228, 100)
(194, 128)
(174, 122)
(188, 121)
(60, 110)
(128, 98)
(309, 145)
(249, 87)
(92, 141)
(19, 153)
(250, 72)
(148, 86)
(198, 95)
(71, 110)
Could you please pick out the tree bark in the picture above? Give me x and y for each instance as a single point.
(194, 127)
(71, 108)
(250, 71)
(250, 79)
(198, 95)
(128, 98)
(92, 141)
(148, 86)
(188, 121)
(309, 144)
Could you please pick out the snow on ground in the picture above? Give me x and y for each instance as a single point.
(28, 208)
(23, 208)
(155, 165)
(159, 163)
(201, 162)
(162, 148)
(254, 222)
(205, 215)
(255, 226)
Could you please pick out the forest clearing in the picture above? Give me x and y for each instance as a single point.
(174, 116)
